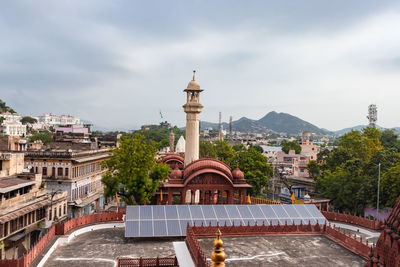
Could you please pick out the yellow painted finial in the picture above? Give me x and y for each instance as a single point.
(194, 72)
(218, 256)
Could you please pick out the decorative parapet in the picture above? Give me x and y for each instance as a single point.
(352, 219)
(346, 240)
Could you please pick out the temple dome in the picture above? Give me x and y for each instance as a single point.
(193, 85)
(176, 173)
(237, 174)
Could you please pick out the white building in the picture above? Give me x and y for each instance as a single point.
(14, 128)
(9, 117)
(12, 125)
(53, 120)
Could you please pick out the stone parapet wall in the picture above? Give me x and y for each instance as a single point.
(353, 219)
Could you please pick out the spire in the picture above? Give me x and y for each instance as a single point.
(194, 73)
(218, 256)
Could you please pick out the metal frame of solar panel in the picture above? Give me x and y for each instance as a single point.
(171, 220)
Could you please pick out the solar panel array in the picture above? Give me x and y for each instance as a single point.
(171, 220)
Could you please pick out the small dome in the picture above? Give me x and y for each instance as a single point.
(237, 174)
(176, 173)
(193, 85)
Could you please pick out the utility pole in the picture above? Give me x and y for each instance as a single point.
(379, 182)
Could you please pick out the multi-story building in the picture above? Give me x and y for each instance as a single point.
(26, 209)
(78, 173)
(11, 124)
(54, 120)
(12, 143)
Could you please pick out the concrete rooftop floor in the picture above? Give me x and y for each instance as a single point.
(285, 251)
(101, 248)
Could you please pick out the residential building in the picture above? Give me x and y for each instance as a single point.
(12, 143)
(54, 120)
(25, 206)
(77, 172)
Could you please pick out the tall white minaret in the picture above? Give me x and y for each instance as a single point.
(192, 109)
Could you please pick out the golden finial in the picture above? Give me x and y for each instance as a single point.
(218, 256)
(194, 72)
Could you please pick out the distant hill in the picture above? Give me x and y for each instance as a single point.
(360, 127)
(283, 122)
(271, 122)
(4, 108)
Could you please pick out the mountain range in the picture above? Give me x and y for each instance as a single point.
(275, 122)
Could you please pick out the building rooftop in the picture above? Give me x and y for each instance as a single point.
(12, 183)
(283, 251)
(101, 248)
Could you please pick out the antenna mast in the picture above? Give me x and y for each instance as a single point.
(372, 115)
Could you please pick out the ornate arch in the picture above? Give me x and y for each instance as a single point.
(208, 180)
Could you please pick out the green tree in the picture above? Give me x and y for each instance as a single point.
(28, 119)
(313, 169)
(238, 147)
(292, 145)
(133, 172)
(342, 186)
(256, 170)
(207, 150)
(258, 148)
(44, 136)
(225, 152)
(362, 145)
(390, 189)
(390, 139)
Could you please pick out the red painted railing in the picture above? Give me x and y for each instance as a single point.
(346, 240)
(60, 229)
(147, 262)
(352, 219)
(193, 232)
(64, 227)
(27, 259)
(198, 256)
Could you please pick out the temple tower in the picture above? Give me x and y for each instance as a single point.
(192, 109)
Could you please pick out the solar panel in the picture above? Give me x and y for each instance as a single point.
(170, 212)
(172, 220)
(174, 228)
(146, 228)
(256, 212)
(220, 212)
(159, 212)
(146, 213)
(160, 228)
(208, 212)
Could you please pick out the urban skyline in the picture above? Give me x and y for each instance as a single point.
(118, 65)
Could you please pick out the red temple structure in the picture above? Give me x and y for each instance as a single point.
(387, 249)
(203, 181)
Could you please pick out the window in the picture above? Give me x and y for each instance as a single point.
(301, 170)
(53, 171)
(66, 172)
(59, 212)
(1, 165)
(60, 172)
(36, 170)
(44, 170)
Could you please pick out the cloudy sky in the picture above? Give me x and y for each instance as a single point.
(118, 63)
